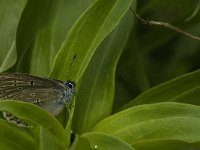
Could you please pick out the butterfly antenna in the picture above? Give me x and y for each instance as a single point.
(71, 65)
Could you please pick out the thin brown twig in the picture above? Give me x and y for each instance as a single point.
(164, 24)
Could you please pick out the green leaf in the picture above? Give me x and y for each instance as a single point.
(95, 101)
(185, 88)
(14, 138)
(33, 114)
(80, 144)
(30, 22)
(85, 36)
(104, 142)
(94, 140)
(8, 26)
(154, 125)
(60, 16)
(47, 141)
(92, 28)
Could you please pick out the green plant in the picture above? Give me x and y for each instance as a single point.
(116, 60)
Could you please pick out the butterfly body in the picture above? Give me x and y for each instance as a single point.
(50, 94)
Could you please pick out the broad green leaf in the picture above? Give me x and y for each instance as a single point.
(59, 18)
(182, 89)
(47, 141)
(10, 11)
(85, 36)
(30, 22)
(105, 142)
(95, 101)
(166, 145)
(33, 114)
(80, 144)
(152, 124)
(14, 138)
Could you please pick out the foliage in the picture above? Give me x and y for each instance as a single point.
(137, 85)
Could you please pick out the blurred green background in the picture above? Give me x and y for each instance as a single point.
(155, 54)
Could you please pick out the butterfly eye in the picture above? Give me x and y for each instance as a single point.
(70, 85)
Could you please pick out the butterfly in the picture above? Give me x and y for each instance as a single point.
(50, 94)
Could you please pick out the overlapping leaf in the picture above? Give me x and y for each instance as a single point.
(33, 114)
(154, 125)
(95, 101)
(8, 27)
(182, 89)
(86, 35)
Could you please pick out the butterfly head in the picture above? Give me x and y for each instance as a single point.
(71, 91)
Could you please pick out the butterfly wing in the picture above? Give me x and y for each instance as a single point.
(26, 80)
(47, 93)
